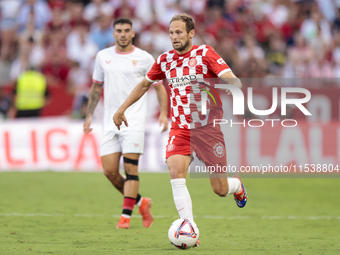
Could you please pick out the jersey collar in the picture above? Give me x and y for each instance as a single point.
(125, 53)
(187, 54)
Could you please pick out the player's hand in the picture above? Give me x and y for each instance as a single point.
(87, 124)
(163, 120)
(118, 118)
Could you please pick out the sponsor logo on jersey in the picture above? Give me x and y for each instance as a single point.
(136, 144)
(192, 62)
(108, 61)
(219, 150)
(182, 81)
(221, 61)
(134, 62)
(170, 147)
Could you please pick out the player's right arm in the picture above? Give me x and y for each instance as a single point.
(94, 97)
(95, 93)
(134, 96)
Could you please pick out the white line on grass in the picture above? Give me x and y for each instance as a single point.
(173, 216)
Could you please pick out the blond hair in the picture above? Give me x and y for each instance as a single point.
(187, 19)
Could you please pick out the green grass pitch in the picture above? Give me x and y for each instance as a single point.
(76, 213)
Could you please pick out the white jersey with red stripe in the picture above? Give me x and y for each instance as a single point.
(187, 76)
(120, 73)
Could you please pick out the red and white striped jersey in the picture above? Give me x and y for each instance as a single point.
(187, 76)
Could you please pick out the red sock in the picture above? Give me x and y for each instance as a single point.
(128, 205)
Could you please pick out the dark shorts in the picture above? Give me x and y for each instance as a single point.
(207, 142)
(28, 113)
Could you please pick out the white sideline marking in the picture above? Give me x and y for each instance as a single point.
(173, 216)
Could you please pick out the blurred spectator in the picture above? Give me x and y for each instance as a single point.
(37, 53)
(96, 9)
(202, 37)
(80, 47)
(251, 50)
(57, 4)
(78, 85)
(55, 45)
(196, 8)
(74, 10)
(30, 32)
(8, 13)
(226, 49)
(155, 41)
(263, 29)
(328, 9)
(36, 11)
(216, 23)
(5, 104)
(276, 55)
(276, 12)
(57, 24)
(19, 65)
(309, 27)
(299, 57)
(291, 25)
(102, 34)
(56, 70)
(30, 94)
(216, 3)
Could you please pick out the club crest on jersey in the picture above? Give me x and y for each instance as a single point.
(192, 62)
(221, 61)
(170, 147)
(219, 150)
(134, 62)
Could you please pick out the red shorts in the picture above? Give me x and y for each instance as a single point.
(207, 142)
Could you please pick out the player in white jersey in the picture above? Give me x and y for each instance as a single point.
(185, 65)
(118, 69)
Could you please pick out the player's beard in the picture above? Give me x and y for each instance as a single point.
(122, 45)
(185, 46)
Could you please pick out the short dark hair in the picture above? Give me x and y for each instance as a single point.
(187, 19)
(122, 21)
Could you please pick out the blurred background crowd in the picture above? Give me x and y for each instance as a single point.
(54, 42)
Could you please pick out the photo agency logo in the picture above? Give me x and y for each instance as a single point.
(239, 105)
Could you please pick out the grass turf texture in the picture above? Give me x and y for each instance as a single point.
(74, 213)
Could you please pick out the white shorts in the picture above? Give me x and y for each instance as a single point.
(125, 141)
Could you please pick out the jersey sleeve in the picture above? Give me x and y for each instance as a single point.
(215, 63)
(98, 73)
(155, 73)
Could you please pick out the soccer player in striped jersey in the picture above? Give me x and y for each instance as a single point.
(184, 66)
(118, 69)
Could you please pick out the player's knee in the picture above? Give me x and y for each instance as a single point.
(110, 172)
(131, 170)
(176, 173)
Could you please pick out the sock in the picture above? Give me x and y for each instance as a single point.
(139, 199)
(128, 205)
(182, 198)
(234, 185)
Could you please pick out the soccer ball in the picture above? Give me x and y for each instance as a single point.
(183, 233)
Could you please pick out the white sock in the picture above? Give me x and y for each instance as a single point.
(234, 185)
(182, 198)
(139, 202)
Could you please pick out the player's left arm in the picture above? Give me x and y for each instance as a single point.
(162, 98)
(217, 65)
(230, 78)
